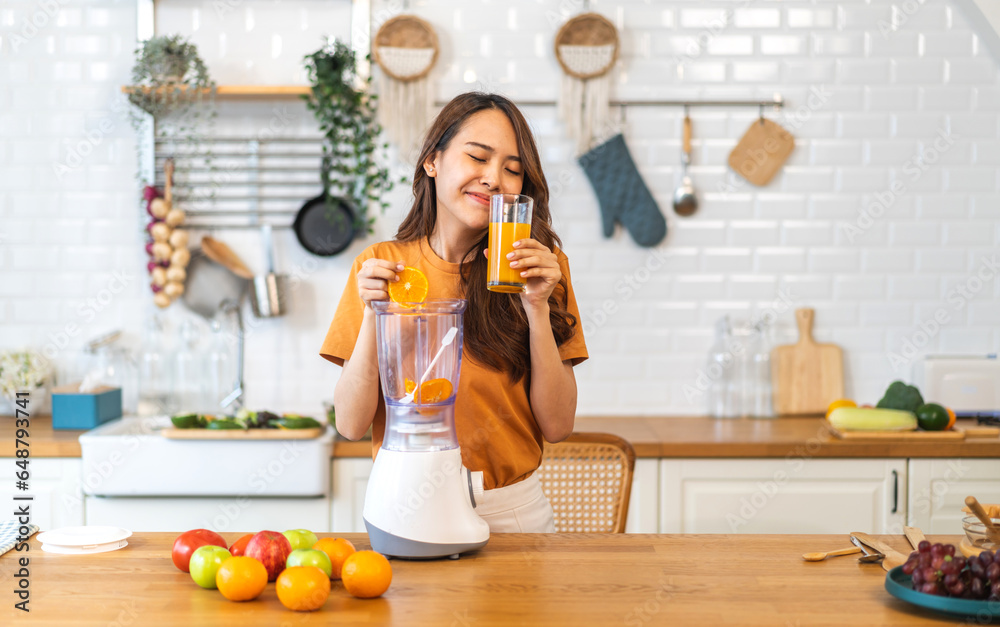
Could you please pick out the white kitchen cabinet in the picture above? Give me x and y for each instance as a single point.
(938, 488)
(644, 500)
(55, 486)
(222, 514)
(792, 495)
(350, 481)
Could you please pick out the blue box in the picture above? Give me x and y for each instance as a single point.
(72, 409)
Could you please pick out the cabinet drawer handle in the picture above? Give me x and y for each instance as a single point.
(895, 491)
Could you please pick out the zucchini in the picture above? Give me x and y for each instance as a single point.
(872, 419)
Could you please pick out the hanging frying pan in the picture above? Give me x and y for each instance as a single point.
(325, 232)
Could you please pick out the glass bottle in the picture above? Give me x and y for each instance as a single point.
(221, 374)
(758, 374)
(155, 376)
(189, 371)
(720, 372)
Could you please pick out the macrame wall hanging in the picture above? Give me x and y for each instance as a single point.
(406, 48)
(586, 47)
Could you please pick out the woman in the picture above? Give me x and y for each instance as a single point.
(516, 385)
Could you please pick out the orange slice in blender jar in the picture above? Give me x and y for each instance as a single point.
(411, 288)
(435, 391)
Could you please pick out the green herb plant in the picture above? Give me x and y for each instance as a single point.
(173, 94)
(346, 110)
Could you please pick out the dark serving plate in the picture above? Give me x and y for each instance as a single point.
(900, 585)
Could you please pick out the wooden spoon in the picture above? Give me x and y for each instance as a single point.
(893, 558)
(992, 532)
(915, 536)
(224, 255)
(820, 556)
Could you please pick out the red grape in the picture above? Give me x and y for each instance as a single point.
(924, 546)
(993, 572)
(929, 588)
(949, 549)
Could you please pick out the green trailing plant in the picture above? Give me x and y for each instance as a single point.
(345, 110)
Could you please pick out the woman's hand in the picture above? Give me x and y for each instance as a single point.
(539, 267)
(374, 277)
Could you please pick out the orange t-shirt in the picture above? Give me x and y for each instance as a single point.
(493, 419)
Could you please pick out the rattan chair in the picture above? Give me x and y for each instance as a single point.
(588, 480)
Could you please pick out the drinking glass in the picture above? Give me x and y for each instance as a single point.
(510, 220)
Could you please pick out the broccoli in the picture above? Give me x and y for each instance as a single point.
(901, 396)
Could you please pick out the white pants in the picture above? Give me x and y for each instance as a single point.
(518, 508)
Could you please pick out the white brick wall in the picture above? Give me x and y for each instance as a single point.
(888, 94)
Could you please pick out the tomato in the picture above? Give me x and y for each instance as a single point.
(189, 541)
(240, 546)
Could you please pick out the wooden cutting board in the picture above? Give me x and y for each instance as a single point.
(908, 436)
(806, 376)
(761, 152)
(240, 434)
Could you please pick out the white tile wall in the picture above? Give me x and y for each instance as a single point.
(864, 105)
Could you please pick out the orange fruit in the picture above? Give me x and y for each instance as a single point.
(302, 588)
(338, 550)
(951, 418)
(410, 288)
(366, 574)
(434, 391)
(840, 402)
(241, 578)
(239, 547)
(409, 384)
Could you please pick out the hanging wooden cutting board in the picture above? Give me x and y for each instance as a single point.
(806, 376)
(761, 152)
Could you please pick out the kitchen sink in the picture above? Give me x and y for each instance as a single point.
(129, 457)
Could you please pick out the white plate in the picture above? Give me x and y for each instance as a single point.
(84, 550)
(84, 537)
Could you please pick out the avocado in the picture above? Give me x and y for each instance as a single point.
(901, 396)
(185, 421)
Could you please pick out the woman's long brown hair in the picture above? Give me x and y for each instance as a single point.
(508, 351)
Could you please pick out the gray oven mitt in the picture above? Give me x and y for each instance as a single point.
(621, 193)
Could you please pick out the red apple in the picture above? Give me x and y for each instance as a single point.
(189, 541)
(271, 549)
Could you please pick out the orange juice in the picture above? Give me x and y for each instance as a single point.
(501, 277)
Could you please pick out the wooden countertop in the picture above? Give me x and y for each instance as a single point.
(675, 436)
(517, 579)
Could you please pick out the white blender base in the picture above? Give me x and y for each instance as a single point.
(419, 505)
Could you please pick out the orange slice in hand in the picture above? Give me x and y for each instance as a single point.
(410, 288)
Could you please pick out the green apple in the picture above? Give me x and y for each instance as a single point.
(300, 538)
(205, 562)
(310, 557)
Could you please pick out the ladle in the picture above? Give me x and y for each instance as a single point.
(819, 556)
(685, 202)
(449, 337)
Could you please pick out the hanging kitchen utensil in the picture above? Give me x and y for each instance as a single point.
(586, 47)
(325, 231)
(762, 151)
(405, 48)
(269, 291)
(807, 376)
(685, 201)
(224, 255)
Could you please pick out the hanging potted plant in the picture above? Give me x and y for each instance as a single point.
(345, 110)
(168, 76)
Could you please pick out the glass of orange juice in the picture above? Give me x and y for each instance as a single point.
(510, 220)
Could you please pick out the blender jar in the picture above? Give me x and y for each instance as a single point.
(419, 358)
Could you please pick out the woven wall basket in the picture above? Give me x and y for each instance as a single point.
(587, 46)
(406, 48)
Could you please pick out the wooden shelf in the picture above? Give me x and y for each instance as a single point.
(243, 91)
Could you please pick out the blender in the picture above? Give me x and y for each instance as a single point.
(420, 499)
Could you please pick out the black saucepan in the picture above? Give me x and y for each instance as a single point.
(322, 231)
